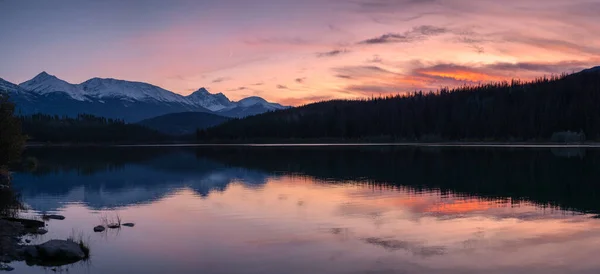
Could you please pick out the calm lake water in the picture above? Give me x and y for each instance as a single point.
(322, 209)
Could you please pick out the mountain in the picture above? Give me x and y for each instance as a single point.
(183, 123)
(542, 109)
(250, 106)
(45, 83)
(213, 102)
(120, 99)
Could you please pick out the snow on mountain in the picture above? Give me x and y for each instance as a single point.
(255, 100)
(129, 100)
(137, 91)
(45, 83)
(213, 102)
(6, 86)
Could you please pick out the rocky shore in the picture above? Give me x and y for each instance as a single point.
(51, 253)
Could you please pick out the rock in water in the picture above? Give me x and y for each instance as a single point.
(99, 228)
(61, 250)
(42, 231)
(113, 226)
(28, 224)
(5, 267)
(129, 224)
(53, 217)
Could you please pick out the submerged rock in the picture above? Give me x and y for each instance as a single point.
(61, 250)
(27, 223)
(99, 228)
(129, 224)
(53, 217)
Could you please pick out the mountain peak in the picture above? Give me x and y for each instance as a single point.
(42, 76)
(45, 83)
(213, 102)
(201, 91)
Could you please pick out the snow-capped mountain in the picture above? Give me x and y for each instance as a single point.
(214, 102)
(250, 106)
(6, 86)
(131, 91)
(45, 83)
(255, 100)
(127, 100)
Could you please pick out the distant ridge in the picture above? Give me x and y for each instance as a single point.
(121, 99)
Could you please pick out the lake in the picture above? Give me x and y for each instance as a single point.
(326, 209)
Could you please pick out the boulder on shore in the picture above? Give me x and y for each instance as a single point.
(61, 250)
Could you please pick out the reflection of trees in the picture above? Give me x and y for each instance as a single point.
(521, 174)
(542, 176)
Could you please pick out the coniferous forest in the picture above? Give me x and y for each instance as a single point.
(541, 110)
(85, 128)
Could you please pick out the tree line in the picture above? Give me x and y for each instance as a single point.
(507, 111)
(85, 128)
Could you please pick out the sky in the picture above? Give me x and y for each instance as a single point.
(296, 52)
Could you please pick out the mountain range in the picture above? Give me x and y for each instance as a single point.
(127, 100)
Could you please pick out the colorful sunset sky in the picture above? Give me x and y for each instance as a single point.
(296, 52)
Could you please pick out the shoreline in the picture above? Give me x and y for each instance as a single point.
(342, 144)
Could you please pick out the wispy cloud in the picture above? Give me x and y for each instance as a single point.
(332, 53)
(416, 34)
(220, 79)
(281, 87)
(300, 80)
(375, 59)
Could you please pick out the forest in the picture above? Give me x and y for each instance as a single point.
(85, 128)
(558, 108)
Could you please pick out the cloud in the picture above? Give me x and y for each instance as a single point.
(281, 87)
(221, 79)
(418, 33)
(369, 80)
(332, 53)
(300, 80)
(357, 72)
(258, 84)
(375, 59)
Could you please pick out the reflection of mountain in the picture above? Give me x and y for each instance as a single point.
(99, 182)
(107, 177)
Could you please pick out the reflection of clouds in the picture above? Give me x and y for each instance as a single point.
(447, 206)
(415, 248)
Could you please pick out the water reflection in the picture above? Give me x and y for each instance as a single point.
(112, 177)
(324, 210)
